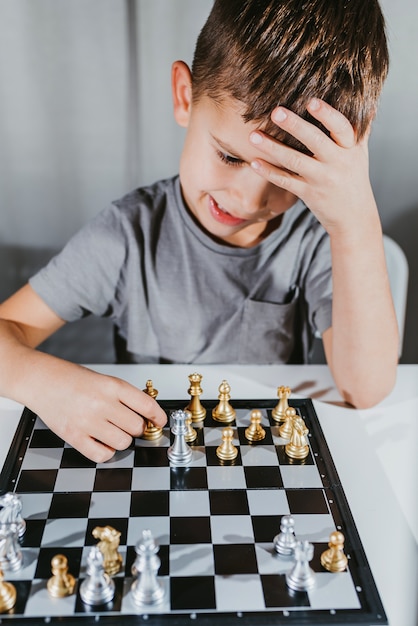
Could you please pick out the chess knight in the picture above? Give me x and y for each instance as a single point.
(108, 546)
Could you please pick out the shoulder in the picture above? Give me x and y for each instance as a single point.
(145, 202)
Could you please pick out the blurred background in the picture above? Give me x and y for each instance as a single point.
(85, 116)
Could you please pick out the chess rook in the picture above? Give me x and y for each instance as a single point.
(301, 577)
(179, 454)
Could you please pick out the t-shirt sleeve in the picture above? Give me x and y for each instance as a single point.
(85, 277)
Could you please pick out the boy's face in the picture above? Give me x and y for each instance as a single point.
(230, 200)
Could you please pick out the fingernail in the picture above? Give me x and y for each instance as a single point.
(255, 165)
(314, 104)
(279, 115)
(256, 138)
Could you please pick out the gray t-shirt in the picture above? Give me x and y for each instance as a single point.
(177, 296)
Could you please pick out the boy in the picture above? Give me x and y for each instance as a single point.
(225, 262)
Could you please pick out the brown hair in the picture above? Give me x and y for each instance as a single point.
(269, 52)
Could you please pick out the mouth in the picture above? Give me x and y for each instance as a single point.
(222, 216)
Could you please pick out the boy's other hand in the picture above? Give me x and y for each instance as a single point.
(334, 181)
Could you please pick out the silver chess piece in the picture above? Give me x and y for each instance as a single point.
(11, 512)
(179, 454)
(301, 577)
(285, 542)
(146, 589)
(11, 557)
(98, 587)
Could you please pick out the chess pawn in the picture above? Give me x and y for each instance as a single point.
(285, 542)
(227, 451)
(191, 434)
(223, 411)
(301, 577)
(255, 432)
(334, 559)
(109, 540)
(195, 390)
(147, 589)
(298, 447)
(97, 588)
(279, 411)
(62, 583)
(151, 432)
(7, 594)
(285, 430)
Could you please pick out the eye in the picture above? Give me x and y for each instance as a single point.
(228, 159)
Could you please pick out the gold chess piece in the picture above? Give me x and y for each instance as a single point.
(151, 432)
(61, 583)
(223, 411)
(298, 447)
(255, 432)
(7, 594)
(227, 451)
(109, 540)
(195, 390)
(191, 434)
(285, 430)
(334, 559)
(279, 411)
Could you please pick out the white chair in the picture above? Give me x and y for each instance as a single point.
(398, 271)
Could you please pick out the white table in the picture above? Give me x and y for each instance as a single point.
(375, 453)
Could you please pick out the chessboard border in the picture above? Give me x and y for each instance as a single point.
(372, 610)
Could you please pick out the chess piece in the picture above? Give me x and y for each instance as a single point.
(61, 583)
(334, 559)
(146, 589)
(97, 587)
(255, 432)
(285, 542)
(191, 434)
(298, 447)
(179, 453)
(11, 512)
(109, 540)
(151, 432)
(227, 451)
(279, 411)
(285, 430)
(195, 390)
(7, 594)
(11, 557)
(301, 577)
(223, 411)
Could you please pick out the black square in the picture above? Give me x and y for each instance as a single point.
(149, 503)
(277, 593)
(116, 479)
(37, 481)
(184, 530)
(213, 460)
(75, 504)
(284, 459)
(192, 592)
(303, 501)
(44, 438)
(43, 567)
(233, 559)
(33, 534)
(114, 605)
(72, 458)
(151, 457)
(118, 523)
(23, 588)
(263, 477)
(183, 478)
(265, 527)
(224, 502)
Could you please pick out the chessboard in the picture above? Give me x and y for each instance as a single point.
(214, 523)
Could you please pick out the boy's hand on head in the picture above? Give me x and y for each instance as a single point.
(334, 181)
(95, 413)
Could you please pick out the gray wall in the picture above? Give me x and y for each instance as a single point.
(85, 115)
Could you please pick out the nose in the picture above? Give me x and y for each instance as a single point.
(252, 193)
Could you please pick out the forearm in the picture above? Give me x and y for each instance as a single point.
(362, 348)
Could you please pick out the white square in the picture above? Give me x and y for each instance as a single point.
(231, 529)
(244, 417)
(75, 479)
(64, 532)
(226, 477)
(268, 502)
(101, 501)
(333, 591)
(42, 458)
(191, 560)
(159, 526)
(270, 562)
(189, 503)
(316, 528)
(122, 458)
(28, 569)
(301, 477)
(146, 479)
(213, 436)
(41, 603)
(241, 592)
(35, 505)
(259, 455)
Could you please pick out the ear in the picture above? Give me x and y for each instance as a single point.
(181, 87)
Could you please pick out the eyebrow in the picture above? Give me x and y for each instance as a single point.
(227, 148)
